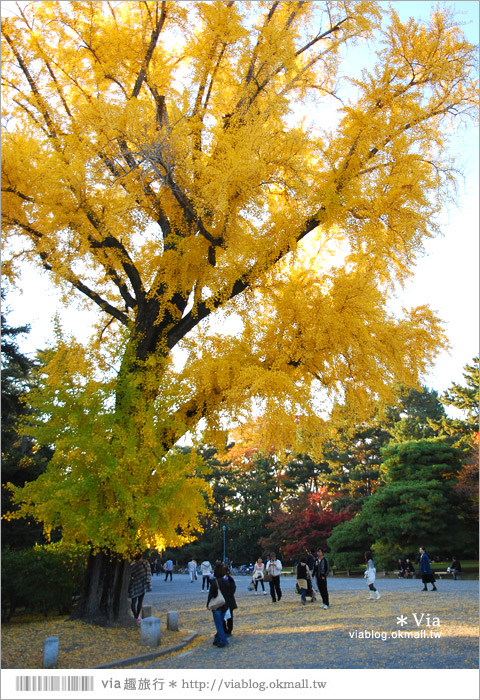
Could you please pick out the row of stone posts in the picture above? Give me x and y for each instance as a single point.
(150, 633)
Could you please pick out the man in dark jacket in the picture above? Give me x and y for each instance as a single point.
(321, 569)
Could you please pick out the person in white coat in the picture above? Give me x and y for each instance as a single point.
(206, 571)
(168, 568)
(257, 577)
(370, 575)
(273, 568)
(192, 569)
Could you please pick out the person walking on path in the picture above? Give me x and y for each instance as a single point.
(273, 569)
(206, 570)
(140, 583)
(228, 618)
(426, 570)
(303, 576)
(257, 577)
(192, 569)
(321, 570)
(370, 575)
(168, 569)
(218, 583)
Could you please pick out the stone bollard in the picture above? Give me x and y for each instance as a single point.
(50, 652)
(172, 621)
(150, 631)
(146, 611)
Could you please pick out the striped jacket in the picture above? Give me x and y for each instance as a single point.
(140, 578)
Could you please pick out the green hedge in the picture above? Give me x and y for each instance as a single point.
(43, 579)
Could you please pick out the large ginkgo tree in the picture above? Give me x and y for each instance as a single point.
(169, 162)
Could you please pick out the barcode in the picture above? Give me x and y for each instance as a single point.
(53, 683)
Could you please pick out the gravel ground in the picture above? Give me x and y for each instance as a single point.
(354, 633)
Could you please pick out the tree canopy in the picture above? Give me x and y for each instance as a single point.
(390, 490)
(418, 500)
(158, 162)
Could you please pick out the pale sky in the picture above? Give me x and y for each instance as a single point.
(447, 278)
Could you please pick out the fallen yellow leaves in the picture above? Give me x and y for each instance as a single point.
(301, 636)
(80, 645)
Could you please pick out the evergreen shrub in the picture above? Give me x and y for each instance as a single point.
(43, 579)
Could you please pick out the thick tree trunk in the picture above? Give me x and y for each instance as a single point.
(104, 599)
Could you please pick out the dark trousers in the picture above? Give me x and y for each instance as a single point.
(322, 587)
(256, 581)
(275, 588)
(167, 574)
(136, 605)
(206, 580)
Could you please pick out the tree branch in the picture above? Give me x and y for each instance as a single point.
(110, 242)
(161, 217)
(319, 37)
(59, 90)
(268, 77)
(151, 47)
(33, 87)
(106, 75)
(25, 197)
(155, 157)
(205, 308)
(70, 277)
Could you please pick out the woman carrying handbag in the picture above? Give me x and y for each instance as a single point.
(218, 602)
